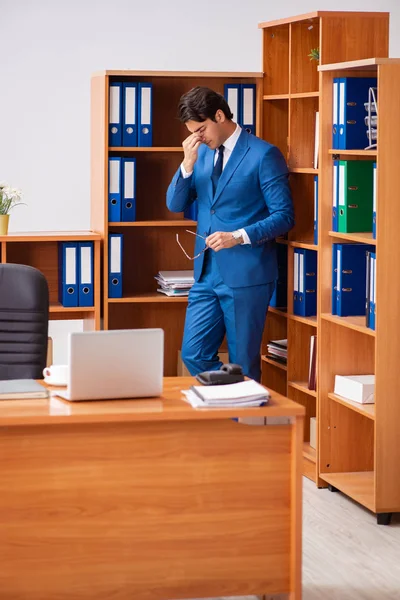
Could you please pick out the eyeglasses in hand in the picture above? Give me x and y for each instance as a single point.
(183, 249)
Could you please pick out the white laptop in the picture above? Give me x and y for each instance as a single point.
(125, 363)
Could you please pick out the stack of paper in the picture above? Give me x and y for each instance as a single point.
(277, 350)
(242, 395)
(175, 283)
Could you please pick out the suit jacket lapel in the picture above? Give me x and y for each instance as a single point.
(234, 161)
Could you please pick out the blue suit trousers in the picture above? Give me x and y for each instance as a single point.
(215, 309)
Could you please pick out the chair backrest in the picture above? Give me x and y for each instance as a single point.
(24, 322)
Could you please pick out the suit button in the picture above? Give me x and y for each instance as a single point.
(212, 212)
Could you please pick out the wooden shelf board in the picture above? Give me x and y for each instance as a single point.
(368, 64)
(276, 97)
(364, 237)
(59, 308)
(309, 452)
(367, 410)
(306, 170)
(305, 95)
(356, 323)
(274, 363)
(151, 297)
(307, 245)
(50, 236)
(183, 74)
(303, 387)
(371, 153)
(172, 223)
(306, 320)
(277, 311)
(358, 485)
(282, 241)
(146, 149)
(322, 13)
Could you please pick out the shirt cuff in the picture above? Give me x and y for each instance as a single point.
(185, 174)
(246, 239)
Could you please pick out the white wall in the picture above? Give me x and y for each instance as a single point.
(50, 48)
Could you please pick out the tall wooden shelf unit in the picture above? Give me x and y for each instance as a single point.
(40, 250)
(291, 96)
(149, 242)
(359, 449)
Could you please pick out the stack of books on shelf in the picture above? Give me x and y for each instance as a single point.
(277, 351)
(175, 283)
(239, 395)
(312, 370)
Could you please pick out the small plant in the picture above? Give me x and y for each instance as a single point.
(9, 197)
(314, 54)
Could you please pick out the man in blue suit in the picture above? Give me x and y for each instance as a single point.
(241, 186)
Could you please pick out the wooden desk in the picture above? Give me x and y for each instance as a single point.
(148, 500)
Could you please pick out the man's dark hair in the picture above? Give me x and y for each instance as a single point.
(201, 103)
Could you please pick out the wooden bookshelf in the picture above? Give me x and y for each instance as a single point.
(293, 91)
(39, 249)
(368, 410)
(149, 242)
(363, 238)
(359, 450)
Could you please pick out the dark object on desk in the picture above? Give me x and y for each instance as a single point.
(17, 389)
(229, 373)
(24, 322)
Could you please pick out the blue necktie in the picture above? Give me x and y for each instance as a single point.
(216, 174)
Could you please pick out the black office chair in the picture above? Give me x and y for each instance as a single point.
(24, 322)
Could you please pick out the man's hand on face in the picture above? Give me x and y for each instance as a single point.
(190, 149)
(221, 240)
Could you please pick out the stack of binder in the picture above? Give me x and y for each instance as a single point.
(370, 301)
(353, 184)
(305, 282)
(349, 96)
(76, 274)
(115, 258)
(175, 283)
(277, 351)
(349, 279)
(241, 98)
(130, 114)
(121, 189)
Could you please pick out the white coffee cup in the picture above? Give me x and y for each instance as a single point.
(56, 374)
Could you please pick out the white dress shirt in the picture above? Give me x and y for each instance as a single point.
(229, 145)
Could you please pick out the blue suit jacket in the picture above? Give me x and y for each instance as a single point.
(252, 193)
